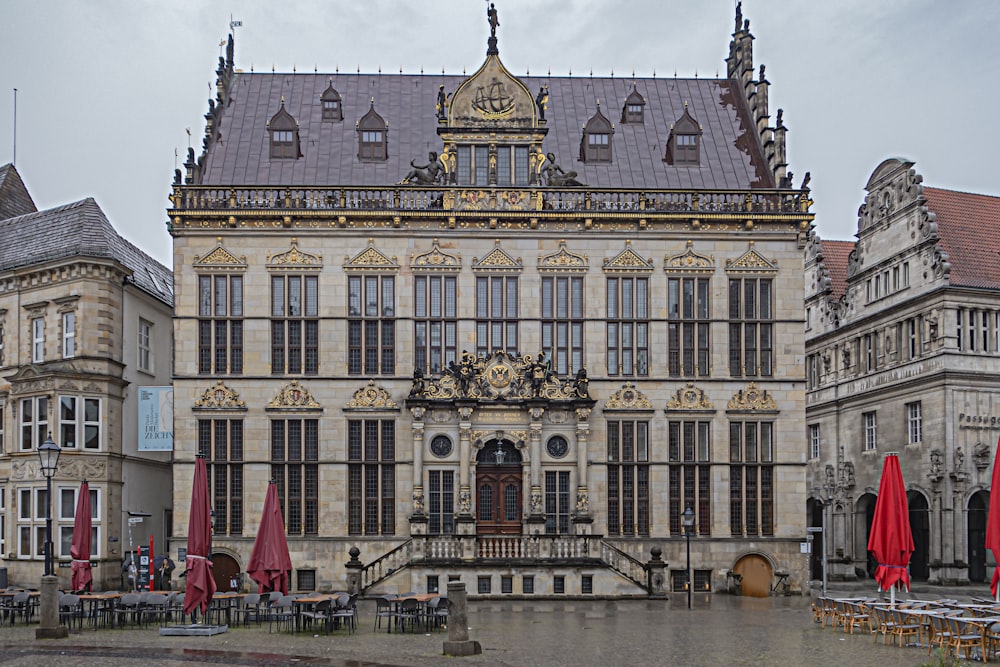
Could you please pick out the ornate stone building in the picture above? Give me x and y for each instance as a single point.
(903, 344)
(85, 322)
(517, 363)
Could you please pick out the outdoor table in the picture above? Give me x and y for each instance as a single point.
(222, 604)
(300, 603)
(421, 598)
(33, 599)
(100, 606)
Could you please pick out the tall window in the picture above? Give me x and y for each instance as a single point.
(628, 326)
(914, 423)
(221, 441)
(34, 422)
(557, 502)
(371, 477)
(294, 324)
(751, 327)
(220, 324)
(871, 431)
(3, 443)
(562, 322)
(295, 469)
(68, 335)
(912, 338)
(3, 519)
(145, 350)
(628, 478)
(435, 314)
(751, 478)
(38, 340)
(812, 371)
(689, 453)
(441, 502)
(512, 165)
(31, 506)
(66, 500)
(814, 450)
(80, 422)
(1, 339)
(371, 327)
(496, 314)
(688, 326)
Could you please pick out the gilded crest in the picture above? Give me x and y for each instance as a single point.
(752, 398)
(752, 261)
(220, 258)
(294, 258)
(628, 398)
(689, 262)
(220, 397)
(497, 259)
(372, 397)
(627, 261)
(436, 260)
(294, 395)
(562, 261)
(690, 397)
(370, 259)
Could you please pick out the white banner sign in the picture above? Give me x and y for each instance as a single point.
(156, 419)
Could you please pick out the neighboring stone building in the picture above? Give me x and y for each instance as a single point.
(517, 363)
(85, 322)
(903, 344)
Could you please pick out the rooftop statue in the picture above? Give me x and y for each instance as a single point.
(427, 174)
(556, 176)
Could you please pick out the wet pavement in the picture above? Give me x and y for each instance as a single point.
(719, 630)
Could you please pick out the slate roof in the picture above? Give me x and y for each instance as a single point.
(969, 231)
(14, 197)
(79, 229)
(731, 156)
(835, 255)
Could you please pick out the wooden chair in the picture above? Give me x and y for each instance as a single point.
(858, 616)
(965, 637)
(882, 624)
(904, 627)
(939, 634)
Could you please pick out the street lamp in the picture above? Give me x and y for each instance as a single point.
(48, 607)
(688, 516)
(48, 457)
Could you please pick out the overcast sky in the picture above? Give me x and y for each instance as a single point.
(106, 88)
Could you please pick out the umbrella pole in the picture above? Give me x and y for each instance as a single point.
(892, 595)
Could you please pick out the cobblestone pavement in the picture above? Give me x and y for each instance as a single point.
(719, 630)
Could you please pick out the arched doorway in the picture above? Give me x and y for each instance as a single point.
(920, 526)
(978, 503)
(756, 575)
(498, 489)
(865, 507)
(224, 568)
(814, 518)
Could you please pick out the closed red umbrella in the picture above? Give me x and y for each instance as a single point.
(270, 562)
(200, 586)
(79, 551)
(890, 540)
(993, 522)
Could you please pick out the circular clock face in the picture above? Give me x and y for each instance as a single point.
(441, 446)
(557, 446)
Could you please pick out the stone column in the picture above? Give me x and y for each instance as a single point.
(418, 516)
(582, 518)
(464, 520)
(536, 510)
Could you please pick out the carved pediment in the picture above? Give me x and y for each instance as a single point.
(562, 261)
(752, 398)
(751, 261)
(690, 397)
(628, 398)
(492, 97)
(372, 397)
(220, 397)
(220, 258)
(627, 261)
(294, 396)
(689, 262)
(436, 260)
(370, 259)
(497, 260)
(293, 258)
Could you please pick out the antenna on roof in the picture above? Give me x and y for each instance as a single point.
(233, 25)
(14, 161)
(188, 130)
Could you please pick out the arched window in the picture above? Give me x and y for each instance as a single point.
(634, 107)
(284, 131)
(595, 145)
(332, 104)
(684, 142)
(373, 134)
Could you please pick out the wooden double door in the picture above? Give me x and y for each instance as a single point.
(498, 499)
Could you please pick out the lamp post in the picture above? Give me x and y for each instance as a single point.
(49, 628)
(688, 516)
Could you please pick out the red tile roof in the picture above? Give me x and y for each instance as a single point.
(969, 231)
(835, 260)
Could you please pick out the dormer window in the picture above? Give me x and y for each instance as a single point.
(332, 104)
(684, 142)
(595, 145)
(284, 131)
(635, 105)
(373, 134)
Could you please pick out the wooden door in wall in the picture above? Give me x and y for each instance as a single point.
(756, 575)
(498, 500)
(225, 570)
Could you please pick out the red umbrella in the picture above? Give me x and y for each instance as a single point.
(79, 551)
(993, 521)
(269, 561)
(200, 586)
(890, 540)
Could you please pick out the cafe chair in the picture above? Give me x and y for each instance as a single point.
(345, 611)
(282, 613)
(319, 613)
(385, 608)
(70, 610)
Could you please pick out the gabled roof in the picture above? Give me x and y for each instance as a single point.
(79, 229)
(730, 153)
(835, 254)
(14, 197)
(969, 231)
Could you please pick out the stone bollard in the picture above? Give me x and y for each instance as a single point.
(458, 643)
(48, 626)
(354, 567)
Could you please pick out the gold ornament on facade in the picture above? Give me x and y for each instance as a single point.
(628, 398)
(498, 377)
(497, 260)
(372, 397)
(293, 257)
(294, 395)
(370, 259)
(627, 261)
(689, 262)
(751, 260)
(562, 261)
(752, 398)
(220, 257)
(690, 397)
(436, 260)
(220, 397)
